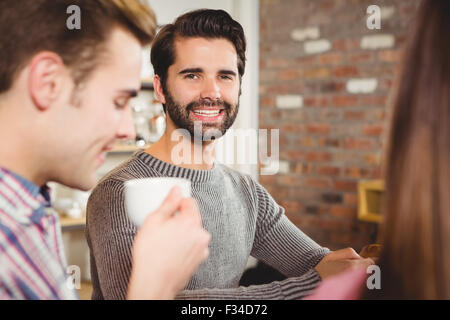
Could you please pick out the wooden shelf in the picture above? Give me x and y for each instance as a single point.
(369, 200)
(127, 148)
(68, 223)
(85, 291)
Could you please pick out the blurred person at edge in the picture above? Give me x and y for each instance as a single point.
(415, 260)
(63, 102)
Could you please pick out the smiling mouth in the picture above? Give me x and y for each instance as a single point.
(209, 113)
(108, 147)
(101, 157)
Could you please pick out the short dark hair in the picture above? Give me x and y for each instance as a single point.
(205, 23)
(28, 27)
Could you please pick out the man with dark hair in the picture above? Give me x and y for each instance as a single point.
(199, 61)
(63, 102)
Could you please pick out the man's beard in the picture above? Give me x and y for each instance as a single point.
(180, 115)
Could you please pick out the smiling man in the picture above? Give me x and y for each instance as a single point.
(213, 107)
(63, 103)
(199, 62)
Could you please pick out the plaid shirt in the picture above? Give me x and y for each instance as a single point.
(32, 261)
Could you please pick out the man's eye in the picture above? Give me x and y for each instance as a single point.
(121, 104)
(226, 77)
(191, 76)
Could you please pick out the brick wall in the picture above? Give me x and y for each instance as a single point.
(325, 82)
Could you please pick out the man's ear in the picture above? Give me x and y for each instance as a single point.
(46, 77)
(158, 89)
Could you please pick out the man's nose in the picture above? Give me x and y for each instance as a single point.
(126, 128)
(211, 90)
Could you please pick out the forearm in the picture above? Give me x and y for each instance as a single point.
(288, 250)
(281, 244)
(289, 289)
(148, 289)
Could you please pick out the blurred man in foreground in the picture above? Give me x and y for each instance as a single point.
(63, 102)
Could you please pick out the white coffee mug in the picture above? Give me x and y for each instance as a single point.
(144, 196)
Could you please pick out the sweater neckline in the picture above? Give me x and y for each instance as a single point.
(170, 170)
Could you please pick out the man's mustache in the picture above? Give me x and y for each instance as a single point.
(208, 103)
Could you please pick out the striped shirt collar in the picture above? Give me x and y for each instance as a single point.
(27, 201)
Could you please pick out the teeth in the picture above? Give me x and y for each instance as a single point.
(207, 113)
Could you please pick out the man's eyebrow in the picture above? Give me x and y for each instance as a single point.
(229, 72)
(191, 70)
(199, 70)
(130, 92)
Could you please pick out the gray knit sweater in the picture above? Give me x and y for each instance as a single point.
(241, 216)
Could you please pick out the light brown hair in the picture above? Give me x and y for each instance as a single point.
(415, 262)
(28, 27)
